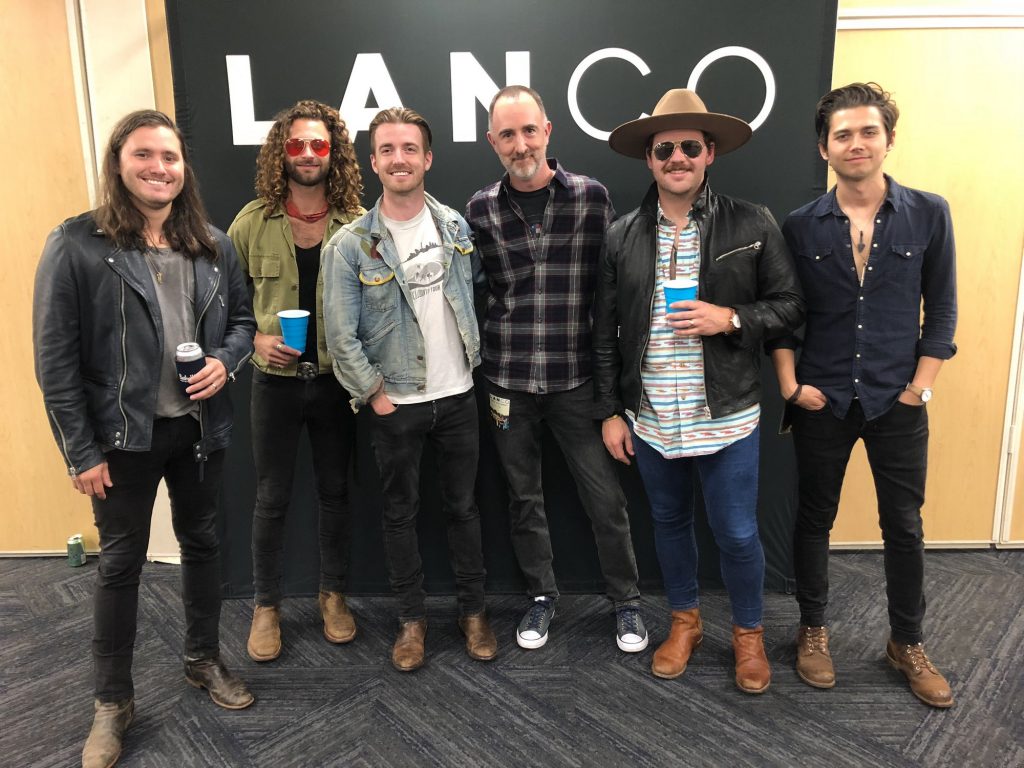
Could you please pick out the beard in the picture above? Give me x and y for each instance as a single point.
(523, 168)
(304, 174)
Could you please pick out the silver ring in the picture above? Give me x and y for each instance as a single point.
(279, 347)
(692, 323)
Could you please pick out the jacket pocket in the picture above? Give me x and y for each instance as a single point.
(379, 288)
(264, 265)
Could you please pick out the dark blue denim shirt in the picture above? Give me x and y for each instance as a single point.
(864, 341)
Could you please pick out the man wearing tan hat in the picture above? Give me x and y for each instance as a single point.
(678, 387)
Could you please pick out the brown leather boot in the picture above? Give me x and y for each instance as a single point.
(685, 634)
(103, 746)
(753, 675)
(407, 653)
(339, 623)
(926, 682)
(481, 644)
(265, 634)
(225, 689)
(813, 660)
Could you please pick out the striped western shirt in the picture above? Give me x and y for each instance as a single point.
(673, 418)
(536, 335)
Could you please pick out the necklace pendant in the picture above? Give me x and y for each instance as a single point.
(160, 278)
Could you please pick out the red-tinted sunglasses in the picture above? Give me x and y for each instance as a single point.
(295, 147)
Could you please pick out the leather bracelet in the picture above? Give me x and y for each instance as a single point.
(796, 394)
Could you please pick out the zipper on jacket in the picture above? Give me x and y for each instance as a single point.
(63, 444)
(124, 369)
(755, 245)
(643, 350)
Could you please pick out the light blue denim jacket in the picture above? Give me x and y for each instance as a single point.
(372, 332)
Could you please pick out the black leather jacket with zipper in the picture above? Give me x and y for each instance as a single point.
(744, 264)
(98, 341)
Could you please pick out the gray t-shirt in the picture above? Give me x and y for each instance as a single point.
(174, 280)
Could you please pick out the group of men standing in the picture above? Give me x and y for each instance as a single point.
(576, 334)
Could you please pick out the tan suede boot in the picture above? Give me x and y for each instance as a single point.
(407, 653)
(481, 644)
(339, 623)
(926, 682)
(110, 721)
(813, 660)
(685, 634)
(265, 634)
(753, 674)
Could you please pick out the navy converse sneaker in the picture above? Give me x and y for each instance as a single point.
(533, 629)
(630, 632)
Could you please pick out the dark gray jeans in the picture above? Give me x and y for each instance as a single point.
(569, 415)
(280, 407)
(451, 426)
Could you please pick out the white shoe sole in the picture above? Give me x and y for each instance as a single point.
(632, 647)
(531, 644)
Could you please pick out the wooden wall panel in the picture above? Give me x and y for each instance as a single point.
(960, 134)
(39, 122)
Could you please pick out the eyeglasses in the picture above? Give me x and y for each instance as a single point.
(295, 147)
(690, 147)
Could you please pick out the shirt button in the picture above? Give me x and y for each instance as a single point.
(862, 298)
(870, 268)
(874, 245)
(908, 253)
(856, 381)
(858, 354)
(860, 326)
(817, 258)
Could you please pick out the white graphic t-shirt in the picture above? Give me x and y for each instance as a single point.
(419, 247)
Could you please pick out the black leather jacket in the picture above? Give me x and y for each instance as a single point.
(744, 264)
(98, 341)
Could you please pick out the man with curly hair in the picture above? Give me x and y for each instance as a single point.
(309, 183)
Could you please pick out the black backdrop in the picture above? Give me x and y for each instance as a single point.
(763, 52)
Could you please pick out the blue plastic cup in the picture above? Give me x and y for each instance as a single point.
(293, 327)
(680, 289)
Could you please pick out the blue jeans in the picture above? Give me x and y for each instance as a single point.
(569, 416)
(729, 481)
(281, 406)
(123, 520)
(897, 449)
(452, 427)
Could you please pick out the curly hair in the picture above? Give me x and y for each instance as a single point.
(344, 180)
(855, 95)
(187, 227)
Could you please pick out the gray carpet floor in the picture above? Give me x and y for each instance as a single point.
(576, 702)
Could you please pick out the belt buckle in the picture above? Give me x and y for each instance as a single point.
(306, 371)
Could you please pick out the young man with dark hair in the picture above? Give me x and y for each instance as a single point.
(308, 182)
(870, 254)
(539, 232)
(398, 300)
(117, 290)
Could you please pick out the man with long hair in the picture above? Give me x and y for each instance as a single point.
(117, 290)
(871, 254)
(308, 185)
(398, 297)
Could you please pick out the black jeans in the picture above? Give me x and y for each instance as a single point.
(569, 415)
(897, 450)
(280, 407)
(123, 520)
(451, 426)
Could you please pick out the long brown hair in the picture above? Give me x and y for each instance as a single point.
(187, 228)
(344, 179)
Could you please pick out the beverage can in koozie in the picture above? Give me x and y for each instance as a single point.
(190, 360)
(76, 551)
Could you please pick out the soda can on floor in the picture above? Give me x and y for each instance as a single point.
(76, 551)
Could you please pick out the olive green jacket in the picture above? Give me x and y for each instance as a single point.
(267, 253)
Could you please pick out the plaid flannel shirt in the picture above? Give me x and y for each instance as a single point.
(541, 285)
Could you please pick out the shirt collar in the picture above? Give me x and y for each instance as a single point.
(828, 205)
(553, 164)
